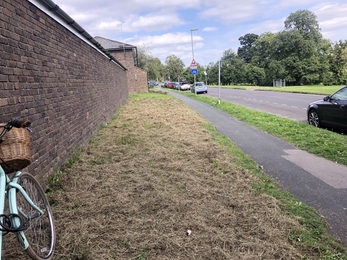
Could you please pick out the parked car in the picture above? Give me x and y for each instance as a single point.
(200, 87)
(164, 84)
(153, 83)
(185, 86)
(169, 85)
(176, 85)
(331, 111)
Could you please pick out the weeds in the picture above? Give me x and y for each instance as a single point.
(55, 182)
(74, 158)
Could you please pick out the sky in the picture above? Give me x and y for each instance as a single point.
(164, 27)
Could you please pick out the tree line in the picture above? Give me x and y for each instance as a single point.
(299, 55)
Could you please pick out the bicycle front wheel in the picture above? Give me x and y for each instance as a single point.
(40, 233)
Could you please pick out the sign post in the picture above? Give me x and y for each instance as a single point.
(194, 71)
(220, 64)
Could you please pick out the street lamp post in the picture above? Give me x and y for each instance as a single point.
(205, 71)
(191, 36)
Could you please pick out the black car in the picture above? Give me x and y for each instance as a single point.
(329, 112)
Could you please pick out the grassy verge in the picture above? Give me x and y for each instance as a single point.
(321, 142)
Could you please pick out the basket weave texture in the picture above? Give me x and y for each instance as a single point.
(15, 149)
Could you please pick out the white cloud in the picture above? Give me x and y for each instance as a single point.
(210, 29)
(165, 25)
(267, 26)
(156, 22)
(333, 21)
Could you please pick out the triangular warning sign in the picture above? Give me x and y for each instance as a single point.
(193, 63)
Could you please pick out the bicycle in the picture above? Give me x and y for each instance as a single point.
(28, 213)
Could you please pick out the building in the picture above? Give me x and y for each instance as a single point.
(127, 55)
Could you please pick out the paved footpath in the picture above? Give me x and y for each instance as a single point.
(318, 182)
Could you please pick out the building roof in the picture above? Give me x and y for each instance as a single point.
(113, 45)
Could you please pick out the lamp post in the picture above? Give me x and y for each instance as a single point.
(191, 36)
(205, 70)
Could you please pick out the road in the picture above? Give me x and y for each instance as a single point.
(289, 105)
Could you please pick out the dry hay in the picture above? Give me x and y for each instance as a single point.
(151, 175)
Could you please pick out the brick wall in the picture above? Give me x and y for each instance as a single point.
(137, 78)
(63, 85)
(141, 80)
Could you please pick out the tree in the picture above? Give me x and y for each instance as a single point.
(296, 54)
(174, 68)
(213, 73)
(153, 66)
(246, 52)
(338, 63)
(233, 68)
(305, 22)
(254, 75)
(265, 48)
(155, 69)
(308, 60)
(144, 53)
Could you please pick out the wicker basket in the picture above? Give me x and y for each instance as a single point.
(15, 149)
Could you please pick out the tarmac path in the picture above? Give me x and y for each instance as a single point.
(320, 183)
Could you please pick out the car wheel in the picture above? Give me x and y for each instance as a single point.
(313, 118)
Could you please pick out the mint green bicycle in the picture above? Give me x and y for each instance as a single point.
(28, 214)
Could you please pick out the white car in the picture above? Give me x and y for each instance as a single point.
(185, 86)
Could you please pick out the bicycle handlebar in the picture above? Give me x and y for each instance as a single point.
(18, 123)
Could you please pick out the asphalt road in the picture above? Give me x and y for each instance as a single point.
(319, 183)
(289, 105)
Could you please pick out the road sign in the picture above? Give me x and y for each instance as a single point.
(194, 71)
(193, 63)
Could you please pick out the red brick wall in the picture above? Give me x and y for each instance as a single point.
(141, 80)
(60, 83)
(137, 78)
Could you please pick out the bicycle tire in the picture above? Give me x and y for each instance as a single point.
(40, 232)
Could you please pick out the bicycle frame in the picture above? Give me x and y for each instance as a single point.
(9, 187)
